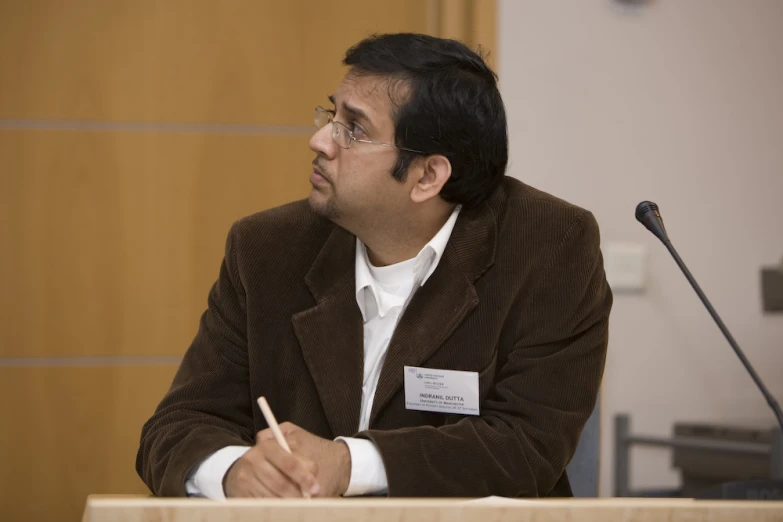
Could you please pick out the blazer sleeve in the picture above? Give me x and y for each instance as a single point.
(207, 406)
(543, 394)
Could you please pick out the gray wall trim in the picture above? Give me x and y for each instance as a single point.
(159, 127)
(120, 360)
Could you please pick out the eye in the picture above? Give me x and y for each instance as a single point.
(357, 129)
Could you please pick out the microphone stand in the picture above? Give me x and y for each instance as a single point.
(755, 489)
(730, 338)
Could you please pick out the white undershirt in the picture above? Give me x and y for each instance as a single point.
(382, 294)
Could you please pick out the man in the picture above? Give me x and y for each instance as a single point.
(425, 325)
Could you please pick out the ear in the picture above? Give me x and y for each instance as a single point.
(436, 171)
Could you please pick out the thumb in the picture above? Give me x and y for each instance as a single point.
(264, 435)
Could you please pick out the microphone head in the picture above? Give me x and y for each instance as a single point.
(647, 214)
(643, 208)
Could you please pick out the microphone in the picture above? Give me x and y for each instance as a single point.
(647, 214)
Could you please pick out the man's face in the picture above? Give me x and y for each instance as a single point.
(355, 186)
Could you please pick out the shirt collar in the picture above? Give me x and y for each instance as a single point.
(437, 245)
(425, 263)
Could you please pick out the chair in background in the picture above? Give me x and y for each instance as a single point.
(583, 468)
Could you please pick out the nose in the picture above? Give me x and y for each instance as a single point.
(322, 143)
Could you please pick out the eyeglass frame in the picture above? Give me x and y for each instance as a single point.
(330, 117)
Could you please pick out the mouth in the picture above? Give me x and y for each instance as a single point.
(317, 178)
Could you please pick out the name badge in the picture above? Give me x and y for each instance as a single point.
(443, 391)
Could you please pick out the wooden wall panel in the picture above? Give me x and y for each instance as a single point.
(470, 21)
(111, 240)
(246, 61)
(484, 29)
(68, 432)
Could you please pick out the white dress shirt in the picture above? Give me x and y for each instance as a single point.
(382, 294)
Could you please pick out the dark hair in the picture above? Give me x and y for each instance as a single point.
(450, 105)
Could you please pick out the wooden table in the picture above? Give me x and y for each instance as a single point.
(136, 509)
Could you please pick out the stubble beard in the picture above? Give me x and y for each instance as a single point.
(326, 208)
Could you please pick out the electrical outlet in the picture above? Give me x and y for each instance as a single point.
(772, 289)
(626, 266)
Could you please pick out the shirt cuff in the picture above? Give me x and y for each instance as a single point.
(207, 479)
(368, 474)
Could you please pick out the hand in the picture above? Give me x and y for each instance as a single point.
(267, 470)
(332, 459)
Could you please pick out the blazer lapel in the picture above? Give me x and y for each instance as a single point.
(331, 333)
(445, 300)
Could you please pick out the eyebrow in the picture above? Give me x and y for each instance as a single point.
(354, 111)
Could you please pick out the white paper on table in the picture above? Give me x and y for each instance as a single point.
(497, 501)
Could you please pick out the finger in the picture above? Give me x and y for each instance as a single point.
(295, 467)
(265, 435)
(276, 482)
(260, 490)
(245, 483)
(255, 489)
(288, 427)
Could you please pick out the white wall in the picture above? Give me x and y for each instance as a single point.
(679, 102)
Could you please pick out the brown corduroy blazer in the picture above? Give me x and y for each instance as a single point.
(519, 296)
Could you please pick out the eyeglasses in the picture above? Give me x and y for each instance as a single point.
(342, 135)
